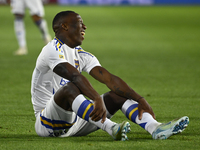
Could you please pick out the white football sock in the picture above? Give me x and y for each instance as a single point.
(42, 25)
(130, 109)
(20, 32)
(83, 107)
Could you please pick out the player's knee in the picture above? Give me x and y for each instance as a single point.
(111, 95)
(19, 16)
(115, 99)
(36, 18)
(70, 90)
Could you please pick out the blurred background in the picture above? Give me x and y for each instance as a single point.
(116, 2)
(153, 45)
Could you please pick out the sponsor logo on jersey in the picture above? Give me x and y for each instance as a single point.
(64, 81)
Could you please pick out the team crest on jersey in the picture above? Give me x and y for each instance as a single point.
(76, 64)
(61, 56)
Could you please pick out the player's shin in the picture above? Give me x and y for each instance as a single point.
(130, 109)
(20, 32)
(42, 25)
(83, 107)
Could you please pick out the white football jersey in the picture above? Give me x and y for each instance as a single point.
(44, 81)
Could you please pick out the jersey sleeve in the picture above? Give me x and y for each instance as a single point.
(55, 55)
(89, 61)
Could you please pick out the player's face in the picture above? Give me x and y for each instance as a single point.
(76, 30)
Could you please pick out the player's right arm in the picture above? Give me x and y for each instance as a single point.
(69, 72)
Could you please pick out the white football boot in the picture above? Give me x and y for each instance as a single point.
(119, 131)
(21, 51)
(166, 130)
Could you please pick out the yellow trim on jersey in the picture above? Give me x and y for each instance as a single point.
(58, 44)
(81, 50)
(60, 41)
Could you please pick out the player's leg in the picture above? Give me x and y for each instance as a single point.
(37, 12)
(18, 9)
(20, 34)
(114, 102)
(42, 25)
(70, 98)
(53, 120)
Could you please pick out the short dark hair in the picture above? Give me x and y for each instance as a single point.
(59, 16)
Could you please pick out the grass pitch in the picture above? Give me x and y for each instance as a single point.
(155, 49)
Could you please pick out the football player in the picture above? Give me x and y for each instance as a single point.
(37, 13)
(66, 104)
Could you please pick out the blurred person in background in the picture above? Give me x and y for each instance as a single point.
(37, 13)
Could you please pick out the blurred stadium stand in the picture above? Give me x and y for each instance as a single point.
(118, 2)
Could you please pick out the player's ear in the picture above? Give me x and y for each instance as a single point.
(64, 26)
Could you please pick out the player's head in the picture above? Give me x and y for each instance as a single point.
(69, 27)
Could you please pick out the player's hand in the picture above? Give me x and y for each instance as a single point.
(99, 111)
(143, 106)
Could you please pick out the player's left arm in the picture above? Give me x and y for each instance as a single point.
(121, 88)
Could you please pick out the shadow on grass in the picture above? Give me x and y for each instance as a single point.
(19, 137)
(35, 137)
(80, 139)
(98, 136)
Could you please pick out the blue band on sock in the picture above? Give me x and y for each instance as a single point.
(38, 22)
(143, 125)
(85, 109)
(132, 112)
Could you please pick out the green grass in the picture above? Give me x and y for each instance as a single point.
(156, 50)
